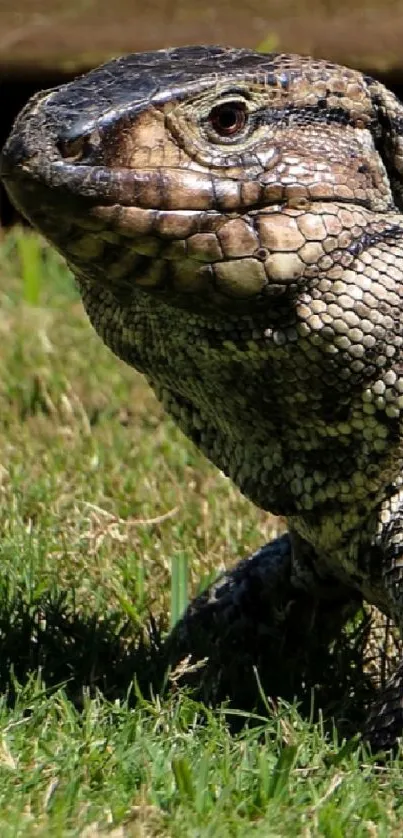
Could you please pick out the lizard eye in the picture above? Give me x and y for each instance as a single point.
(228, 119)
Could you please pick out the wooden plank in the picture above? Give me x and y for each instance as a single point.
(52, 35)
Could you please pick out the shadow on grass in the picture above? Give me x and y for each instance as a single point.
(81, 652)
(101, 653)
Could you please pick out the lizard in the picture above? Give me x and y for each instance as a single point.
(234, 224)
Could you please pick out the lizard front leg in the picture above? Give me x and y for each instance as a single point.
(385, 722)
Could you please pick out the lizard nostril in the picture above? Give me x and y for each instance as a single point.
(76, 149)
(73, 150)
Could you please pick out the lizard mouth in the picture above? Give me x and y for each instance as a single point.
(157, 187)
(182, 235)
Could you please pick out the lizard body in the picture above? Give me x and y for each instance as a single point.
(234, 224)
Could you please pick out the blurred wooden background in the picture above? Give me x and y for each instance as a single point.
(74, 35)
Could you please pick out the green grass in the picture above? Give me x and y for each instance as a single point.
(106, 514)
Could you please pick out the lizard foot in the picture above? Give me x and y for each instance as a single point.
(253, 623)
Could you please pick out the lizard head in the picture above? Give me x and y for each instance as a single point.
(210, 177)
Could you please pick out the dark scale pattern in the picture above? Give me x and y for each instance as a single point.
(233, 221)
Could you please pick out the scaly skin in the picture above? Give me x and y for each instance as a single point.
(234, 223)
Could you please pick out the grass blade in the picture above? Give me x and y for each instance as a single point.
(179, 586)
(30, 258)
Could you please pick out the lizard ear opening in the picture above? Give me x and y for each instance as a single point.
(388, 135)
